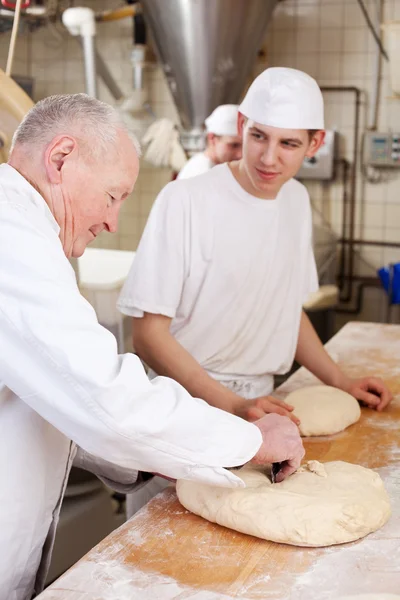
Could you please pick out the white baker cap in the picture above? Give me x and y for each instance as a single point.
(223, 120)
(285, 98)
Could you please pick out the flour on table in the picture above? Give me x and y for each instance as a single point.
(371, 597)
(307, 509)
(323, 410)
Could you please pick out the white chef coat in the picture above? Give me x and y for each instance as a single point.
(231, 270)
(196, 165)
(61, 379)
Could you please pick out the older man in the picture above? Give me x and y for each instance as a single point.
(62, 382)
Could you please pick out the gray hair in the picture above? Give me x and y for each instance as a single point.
(90, 120)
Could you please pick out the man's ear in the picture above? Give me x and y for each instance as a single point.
(57, 153)
(241, 122)
(211, 138)
(316, 143)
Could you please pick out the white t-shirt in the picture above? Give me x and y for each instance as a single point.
(196, 165)
(230, 269)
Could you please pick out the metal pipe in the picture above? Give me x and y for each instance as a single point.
(376, 77)
(137, 58)
(108, 80)
(104, 73)
(342, 265)
(13, 39)
(353, 187)
(356, 242)
(89, 54)
(116, 14)
(360, 297)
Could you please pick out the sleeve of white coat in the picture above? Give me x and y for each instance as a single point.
(58, 359)
(157, 274)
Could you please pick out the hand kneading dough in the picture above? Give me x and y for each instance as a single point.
(323, 410)
(307, 509)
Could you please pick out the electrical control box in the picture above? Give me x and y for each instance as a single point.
(382, 149)
(322, 165)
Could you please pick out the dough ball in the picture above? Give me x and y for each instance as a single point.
(323, 410)
(307, 509)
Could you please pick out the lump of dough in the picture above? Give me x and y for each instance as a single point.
(315, 467)
(323, 410)
(304, 510)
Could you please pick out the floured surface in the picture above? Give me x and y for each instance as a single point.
(323, 410)
(165, 552)
(320, 505)
(370, 597)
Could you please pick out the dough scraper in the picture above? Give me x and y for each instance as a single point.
(275, 468)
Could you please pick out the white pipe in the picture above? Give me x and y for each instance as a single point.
(89, 56)
(137, 58)
(13, 39)
(81, 21)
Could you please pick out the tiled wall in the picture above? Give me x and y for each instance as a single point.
(327, 38)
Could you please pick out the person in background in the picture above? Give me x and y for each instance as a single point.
(223, 142)
(226, 261)
(62, 382)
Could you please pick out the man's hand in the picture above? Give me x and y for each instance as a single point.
(370, 390)
(251, 410)
(281, 443)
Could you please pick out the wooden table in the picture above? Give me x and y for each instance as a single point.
(166, 553)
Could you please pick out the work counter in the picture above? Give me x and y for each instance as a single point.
(167, 553)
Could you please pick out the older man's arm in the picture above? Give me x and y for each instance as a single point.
(58, 359)
(117, 478)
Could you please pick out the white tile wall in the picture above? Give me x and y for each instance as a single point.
(327, 38)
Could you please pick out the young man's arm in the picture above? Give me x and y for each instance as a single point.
(311, 354)
(155, 345)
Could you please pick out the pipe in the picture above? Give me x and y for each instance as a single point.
(13, 39)
(115, 15)
(89, 55)
(371, 243)
(108, 79)
(353, 186)
(363, 285)
(342, 265)
(376, 78)
(80, 21)
(139, 50)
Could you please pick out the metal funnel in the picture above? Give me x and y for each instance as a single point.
(207, 49)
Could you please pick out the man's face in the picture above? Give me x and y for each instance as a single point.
(225, 148)
(272, 156)
(94, 191)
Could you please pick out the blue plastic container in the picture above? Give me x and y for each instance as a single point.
(390, 278)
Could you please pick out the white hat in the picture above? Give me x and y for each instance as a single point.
(223, 120)
(285, 98)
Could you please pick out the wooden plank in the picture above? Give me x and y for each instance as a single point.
(167, 553)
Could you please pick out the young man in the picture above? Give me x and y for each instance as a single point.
(223, 142)
(225, 263)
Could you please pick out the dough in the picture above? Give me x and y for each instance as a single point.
(307, 509)
(323, 410)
